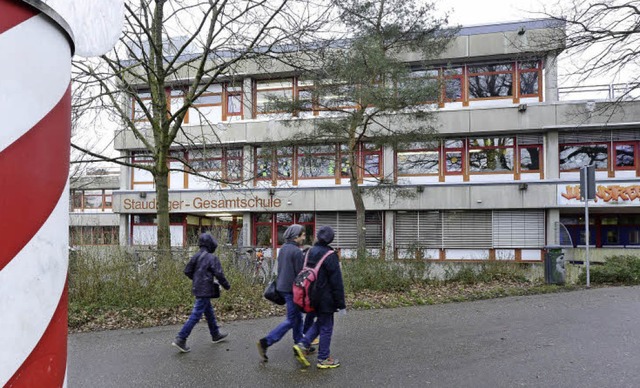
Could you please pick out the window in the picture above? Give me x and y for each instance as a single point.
(490, 80)
(265, 223)
(574, 156)
(453, 154)
(371, 159)
(316, 161)
(222, 163)
(92, 200)
(93, 235)
(530, 158)
(491, 154)
(453, 81)
(138, 110)
(418, 159)
(625, 156)
(233, 101)
(267, 90)
(529, 74)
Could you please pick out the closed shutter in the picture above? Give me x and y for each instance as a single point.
(625, 134)
(535, 138)
(466, 229)
(518, 229)
(418, 229)
(345, 226)
(581, 137)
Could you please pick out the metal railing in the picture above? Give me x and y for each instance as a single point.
(610, 92)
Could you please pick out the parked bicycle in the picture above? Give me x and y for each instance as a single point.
(256, 263)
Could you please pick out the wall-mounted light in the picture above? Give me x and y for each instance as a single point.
(289, 202)
(420, 189)
(523, 186)
(521, 31)
(272, 191)
(143, 195)
(522, 108)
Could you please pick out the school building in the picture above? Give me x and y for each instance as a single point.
(499, 183)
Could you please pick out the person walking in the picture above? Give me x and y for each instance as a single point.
(290, 262)
(205, 271)
(328, 297)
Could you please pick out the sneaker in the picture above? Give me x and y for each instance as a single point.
(262, 349)
(328, 363)
(219, 337)
(316, 341)
(181, 344)
(308, 352)
(301, 352)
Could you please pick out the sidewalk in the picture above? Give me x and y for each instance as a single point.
(586, 338)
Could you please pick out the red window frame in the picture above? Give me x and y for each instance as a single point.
(614, 158)
(514, 158)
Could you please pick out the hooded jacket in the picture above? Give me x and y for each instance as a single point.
(203, 267)
(328, 296)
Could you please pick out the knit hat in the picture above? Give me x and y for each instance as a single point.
(293, 232)
(325, 235)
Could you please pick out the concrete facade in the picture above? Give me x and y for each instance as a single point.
(525, 205)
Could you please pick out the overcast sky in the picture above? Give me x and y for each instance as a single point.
(473, 12)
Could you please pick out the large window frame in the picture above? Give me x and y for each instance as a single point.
(573, 163)
(488, 151)
(221, 161)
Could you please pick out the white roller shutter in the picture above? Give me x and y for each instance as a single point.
(345, 226)
(518, 229)
(418, 229)
(466, 229)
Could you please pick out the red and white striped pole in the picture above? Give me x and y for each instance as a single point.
(35, 123)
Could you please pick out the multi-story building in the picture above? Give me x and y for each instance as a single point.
(91, 219)
(499, 183)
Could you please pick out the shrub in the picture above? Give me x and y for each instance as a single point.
(623, 269)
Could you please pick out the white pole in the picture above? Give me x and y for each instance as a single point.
(587, 239)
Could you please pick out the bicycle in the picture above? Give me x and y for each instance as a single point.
(255, 264)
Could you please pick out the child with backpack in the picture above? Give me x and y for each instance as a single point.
(327, 297)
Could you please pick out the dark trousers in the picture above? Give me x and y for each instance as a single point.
(323, 327)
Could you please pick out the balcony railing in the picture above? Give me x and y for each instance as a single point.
(610, 92)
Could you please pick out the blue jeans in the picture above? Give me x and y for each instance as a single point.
(292, 322)
(323, 326)
(202, 306)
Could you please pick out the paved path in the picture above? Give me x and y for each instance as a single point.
(588, 338)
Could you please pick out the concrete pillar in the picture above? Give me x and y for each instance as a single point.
(553, 219)
(389, 234)
(247, 99)
(551, 78)
(551, 155)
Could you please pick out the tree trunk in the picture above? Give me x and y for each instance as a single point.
(358, 201)
(162, 208)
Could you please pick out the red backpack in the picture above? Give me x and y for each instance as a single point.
(304, 284)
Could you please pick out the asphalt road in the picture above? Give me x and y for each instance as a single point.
(587, 338)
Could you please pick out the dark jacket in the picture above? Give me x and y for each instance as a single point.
(203, 267)
(289, 264)
(329, 288)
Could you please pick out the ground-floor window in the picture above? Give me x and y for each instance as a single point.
(268, 228)
(604, 229)
(94, 235)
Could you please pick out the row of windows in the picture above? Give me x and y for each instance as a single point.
(93, 235)
(453, 83)
(604, 230)
(618, 155)
(464, 156)
(91, 200)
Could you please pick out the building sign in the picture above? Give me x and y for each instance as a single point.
(194, 202)
(622, 194)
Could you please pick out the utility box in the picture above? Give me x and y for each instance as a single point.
(554, 265)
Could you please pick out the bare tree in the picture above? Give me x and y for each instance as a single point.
(602, 40)
(182, 46)
(371, 94)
